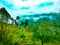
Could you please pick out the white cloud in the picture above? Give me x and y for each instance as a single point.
(17, 4)
(31, 3)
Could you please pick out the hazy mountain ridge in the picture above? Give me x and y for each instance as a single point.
(40, 17)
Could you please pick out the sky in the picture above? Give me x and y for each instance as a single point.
(28, 7)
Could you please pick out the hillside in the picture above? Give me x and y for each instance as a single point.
(37, 29)
(38, 17)
(45, 33)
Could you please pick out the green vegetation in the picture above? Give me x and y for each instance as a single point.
(37, 33)
(34, 34)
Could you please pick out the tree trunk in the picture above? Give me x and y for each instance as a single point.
(42, 38)
(42, 42)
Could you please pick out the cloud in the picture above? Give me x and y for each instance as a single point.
(7, 4)
(21, 3)
(45, 4)
(27, 7)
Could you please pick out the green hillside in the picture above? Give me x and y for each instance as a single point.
(35, 34)
(41, 32)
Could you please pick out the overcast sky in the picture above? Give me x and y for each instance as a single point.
(27, 7)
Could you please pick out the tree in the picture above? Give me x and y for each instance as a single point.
(42, 31)
(26, 23)
(17, 18)
(4, 15)
(15, 22)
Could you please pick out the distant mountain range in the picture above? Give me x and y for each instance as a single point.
(39, 17)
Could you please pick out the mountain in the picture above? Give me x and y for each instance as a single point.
(40, 17)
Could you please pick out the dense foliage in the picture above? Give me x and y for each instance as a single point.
(34, 34)
(43, 32)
